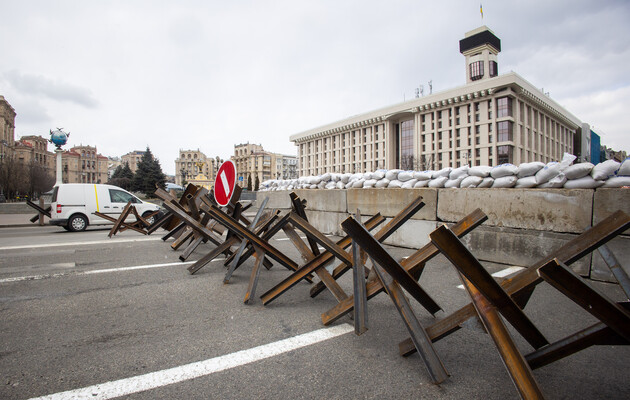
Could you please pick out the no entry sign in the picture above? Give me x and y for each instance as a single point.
(224, 183)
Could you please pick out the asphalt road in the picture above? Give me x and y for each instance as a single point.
(73, 314)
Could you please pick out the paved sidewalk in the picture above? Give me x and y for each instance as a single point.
(15, 220)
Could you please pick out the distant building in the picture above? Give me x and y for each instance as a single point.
(132, 158)
(112, 164)
(83, 164)
(7, 129)
(595, 148)
(253, 161)
(491, 120)
(193, 166)
(35, 149)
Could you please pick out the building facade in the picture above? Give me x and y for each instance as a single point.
(35, 149)
(195, 167)
(493, 119)
(83, 164)
(132, 158)
(7, 129)
(253, 162)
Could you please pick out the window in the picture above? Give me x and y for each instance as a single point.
(494, 68)
(476, 70)
(504, 131)
(504, 107)
(118, 196)
(406, 144)
(504, 154)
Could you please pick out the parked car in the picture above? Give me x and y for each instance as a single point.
(73, 205)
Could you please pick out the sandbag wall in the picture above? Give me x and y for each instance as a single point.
(523, 224)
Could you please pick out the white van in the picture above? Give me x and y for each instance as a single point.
(73, 204)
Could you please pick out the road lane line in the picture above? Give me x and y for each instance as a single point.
(153, 380)
(39, 246)
(96, 271)
(500, 274)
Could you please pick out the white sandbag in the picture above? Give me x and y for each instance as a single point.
(322, 185)
(378, 174)
(349, 185)
(454, 183)
(341, 185)
(422, 183)
(460, 172)
(549, 171)
(409, 184)
(505, 182)
(325, 177)
(603, 170)
(503, 170)
(617, 181)
(405, 176)
(369, 183)
(481, 171)
(335, 177)
(438, 182)
(312, 187)
(585, 182)
(382, 183)
(331, 185)
(557, 181)
(526, 182)
(624, 169)
(579, 170)
(443, 172)
(394, 184)
(422, 176)
(315, 180)
(358, 183)
(345, 178)
(486, 182)
(529, 169)
(470, 182)
(392, 174)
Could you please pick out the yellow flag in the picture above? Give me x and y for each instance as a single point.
(481, 10)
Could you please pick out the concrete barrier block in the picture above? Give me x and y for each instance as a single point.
(620, 247)
(324, 200)
(519, 247)
(278, 199)
(328, 223)
(413, 234)
(608, 200)
(556, 210)
(389, 202)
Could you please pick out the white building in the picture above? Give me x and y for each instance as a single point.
(491, 120)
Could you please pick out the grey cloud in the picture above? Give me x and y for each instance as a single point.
(38, 85)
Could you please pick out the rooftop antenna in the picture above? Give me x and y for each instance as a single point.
(417, 92)
(431, 86)
(421, 90)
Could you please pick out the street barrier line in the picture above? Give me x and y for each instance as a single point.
(39, 246)
(500, 274)
(153, 380)
(96, 271)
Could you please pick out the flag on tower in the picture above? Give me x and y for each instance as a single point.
(481, 10)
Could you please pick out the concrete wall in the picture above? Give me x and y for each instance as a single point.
(523, 225)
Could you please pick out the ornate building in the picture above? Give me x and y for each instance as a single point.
(35, 149)
(253, 161)
(195, 167)
(132, 158)
(7, 129)
(83, 164)
(491, 120)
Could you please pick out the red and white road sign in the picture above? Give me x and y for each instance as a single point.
(224, 183)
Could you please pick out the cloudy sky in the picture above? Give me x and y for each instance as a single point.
(124, 75)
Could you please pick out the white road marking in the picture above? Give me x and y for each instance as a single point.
(65, 244)
(501, 274)
(96, 271)
(153, 380)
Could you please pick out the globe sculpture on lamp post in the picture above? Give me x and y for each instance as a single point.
(58, 138)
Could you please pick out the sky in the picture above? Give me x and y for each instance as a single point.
(207, 75)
